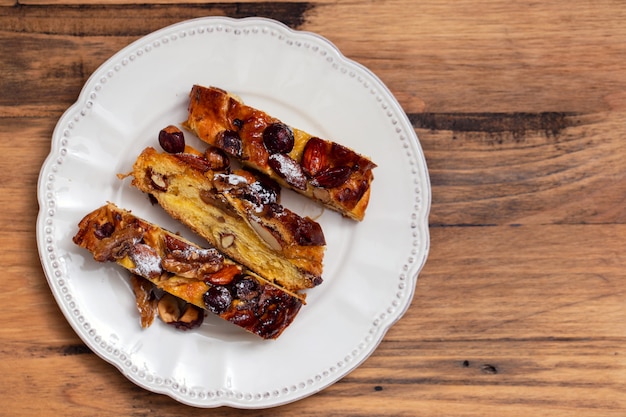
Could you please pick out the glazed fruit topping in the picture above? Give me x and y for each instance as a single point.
(278, 138)
(251, 304)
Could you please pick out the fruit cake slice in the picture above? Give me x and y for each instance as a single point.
(237, 213)
(325, 171)
(200, 276)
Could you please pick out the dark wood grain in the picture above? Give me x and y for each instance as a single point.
(521, 112)
(74, 46)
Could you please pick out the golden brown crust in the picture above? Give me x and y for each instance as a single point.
(200, 276)
(235, 213)
(325, 171)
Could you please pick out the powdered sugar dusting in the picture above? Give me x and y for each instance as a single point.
(147, 261)
(232, 179)
(288, 169)
(264, 195)
(197, 254)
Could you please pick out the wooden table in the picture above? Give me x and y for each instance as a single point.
(520, 108)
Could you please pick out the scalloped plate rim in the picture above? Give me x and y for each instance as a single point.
(44, 203)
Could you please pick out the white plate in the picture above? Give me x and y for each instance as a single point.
(370, 267)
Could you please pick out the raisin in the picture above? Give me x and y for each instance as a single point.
(217, 299)
(104, 230)
(246, 288)
(230, 142)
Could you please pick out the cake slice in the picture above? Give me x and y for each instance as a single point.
(325, 171)
(236, 212)
(200, 276)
